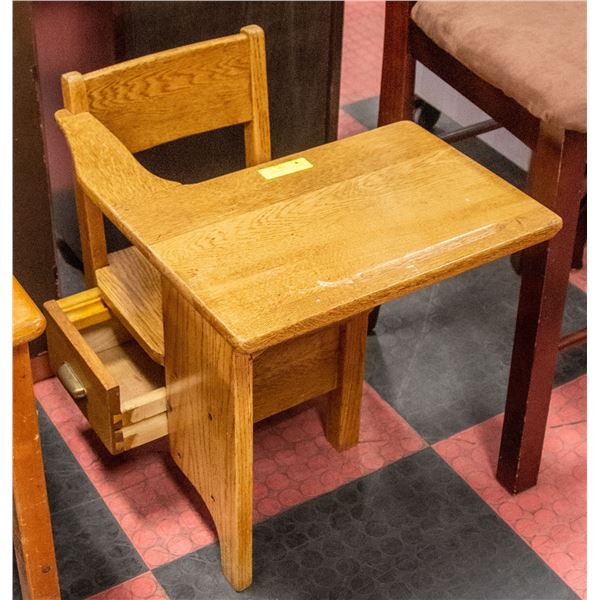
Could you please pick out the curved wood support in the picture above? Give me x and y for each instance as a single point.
(209, 412)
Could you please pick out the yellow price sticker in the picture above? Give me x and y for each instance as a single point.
(291, 166)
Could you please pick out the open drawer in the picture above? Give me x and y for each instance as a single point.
(119, 389)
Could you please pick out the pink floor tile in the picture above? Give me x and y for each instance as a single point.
(144, 587)
(551, 517)
(108, 473)
(294, 462)
(165, 518)
(362, 50)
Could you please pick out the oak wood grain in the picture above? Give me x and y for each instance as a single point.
(85, 309)
(147, 405)
(137, 375)
(295, 371)
(74, 92)
(108, 173)
(104, 335)
(164, 96)
(379, 215)
(91, 224)
(140, 433)
(124, 387)
(67, 345)
(209, 391)
(132, 197)
(168, 95)
(295, 265)
(261, 277)
(257, 133)
(130, 286)
(342, 411)
(92, 235)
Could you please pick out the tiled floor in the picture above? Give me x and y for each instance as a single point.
(413, 511)
(551, 517)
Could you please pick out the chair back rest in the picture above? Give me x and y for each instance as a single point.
(172, 94)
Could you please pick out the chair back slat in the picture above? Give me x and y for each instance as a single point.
(173, 94)
(169, 95)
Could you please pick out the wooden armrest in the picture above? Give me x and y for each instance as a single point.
(108, 173)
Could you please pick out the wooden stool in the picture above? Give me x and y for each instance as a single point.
(261, 281)
(32, 531)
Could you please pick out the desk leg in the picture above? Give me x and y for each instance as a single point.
(32, 532)
(209, 410)
(342, 417)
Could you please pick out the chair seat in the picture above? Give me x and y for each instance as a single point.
(535, 52)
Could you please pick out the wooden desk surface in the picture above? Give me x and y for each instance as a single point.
(28, 321)
(379, 215)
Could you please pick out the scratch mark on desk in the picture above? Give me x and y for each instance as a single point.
(411, 260)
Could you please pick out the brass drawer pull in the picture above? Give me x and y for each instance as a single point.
(71, 382)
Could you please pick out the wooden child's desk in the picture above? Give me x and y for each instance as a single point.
(262, 287)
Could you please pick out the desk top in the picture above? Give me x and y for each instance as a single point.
(28, 321)
(377, 216)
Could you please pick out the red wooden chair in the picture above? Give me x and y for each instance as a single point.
(524, 64)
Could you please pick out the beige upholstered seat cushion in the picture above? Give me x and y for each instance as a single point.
(535, 52)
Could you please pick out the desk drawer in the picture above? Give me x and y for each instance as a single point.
(119, 389)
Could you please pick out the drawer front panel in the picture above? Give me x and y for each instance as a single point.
(67, 345)
(123, 396)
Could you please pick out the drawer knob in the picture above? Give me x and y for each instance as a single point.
(71, 382)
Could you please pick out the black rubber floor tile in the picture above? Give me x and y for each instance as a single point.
(413, 530)
(92, 551)
(441, 356)
(66, 482)
(365, 111)
(71, 494)
(571, 362)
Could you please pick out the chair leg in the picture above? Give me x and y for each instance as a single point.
(396, 99)
(556, 179)
(32, 532)
(398, 68)
(93, 240)
(578, 248)
(342, 416)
